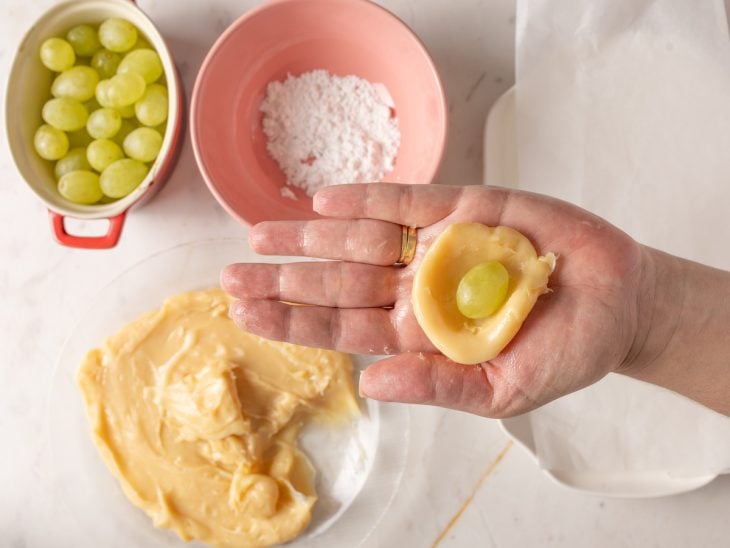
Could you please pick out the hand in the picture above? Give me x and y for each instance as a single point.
(586, 327)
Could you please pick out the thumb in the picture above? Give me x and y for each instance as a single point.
(429, 379)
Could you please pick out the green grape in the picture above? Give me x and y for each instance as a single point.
(122, 177)
(50, 143)
(104, 123)
(151, 109)
(143, 144)
(92, 105)
(482, 290)
(105, 62)
(75, 160)
(126, 128)
(161, 129)
(80, 138)
(65, 114)
(126, 112)
(57, 54)
(142, 42)
(102, 152)
(117, 34)
(144, 62)
(107, 200)
(125, 89)
(102, 94)
(76, 83)
(80, 187)
(84, 40)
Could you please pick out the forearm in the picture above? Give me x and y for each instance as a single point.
(685, 342)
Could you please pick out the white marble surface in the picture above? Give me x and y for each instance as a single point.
(45, 289)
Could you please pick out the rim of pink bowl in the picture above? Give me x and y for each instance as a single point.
(233, 27)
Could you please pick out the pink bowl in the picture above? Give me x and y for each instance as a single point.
(284, 37)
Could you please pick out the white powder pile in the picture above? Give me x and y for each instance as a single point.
(324, 129)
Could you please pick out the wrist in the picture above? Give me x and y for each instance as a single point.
(681, 340)
(659, 308)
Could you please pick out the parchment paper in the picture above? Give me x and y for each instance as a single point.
(623, 107)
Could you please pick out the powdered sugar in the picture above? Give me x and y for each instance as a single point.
(324, 129)
(286, 192)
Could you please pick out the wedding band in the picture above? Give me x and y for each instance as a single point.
(408, 239)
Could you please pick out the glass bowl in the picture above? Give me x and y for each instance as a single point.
(359, 466)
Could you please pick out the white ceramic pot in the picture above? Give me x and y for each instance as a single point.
(28, 89)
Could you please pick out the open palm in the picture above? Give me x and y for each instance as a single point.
(585, 328)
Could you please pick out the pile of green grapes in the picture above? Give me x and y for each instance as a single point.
(104, 125)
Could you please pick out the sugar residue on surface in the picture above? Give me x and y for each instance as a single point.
(324, 129)
(287, 192)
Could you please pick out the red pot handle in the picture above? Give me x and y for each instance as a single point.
(110, 239)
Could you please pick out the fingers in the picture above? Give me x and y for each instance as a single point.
(429, 379)
(358, 331)
(334, 284)
(412, 205)
(365, 240)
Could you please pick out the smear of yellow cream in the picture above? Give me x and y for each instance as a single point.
(198, 420)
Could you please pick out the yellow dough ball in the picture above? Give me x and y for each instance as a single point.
(458, 250)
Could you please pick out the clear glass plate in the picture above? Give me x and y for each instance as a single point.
(359, 467)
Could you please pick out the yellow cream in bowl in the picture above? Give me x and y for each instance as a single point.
(198, 421)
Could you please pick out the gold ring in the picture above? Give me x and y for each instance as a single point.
(408, 239)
